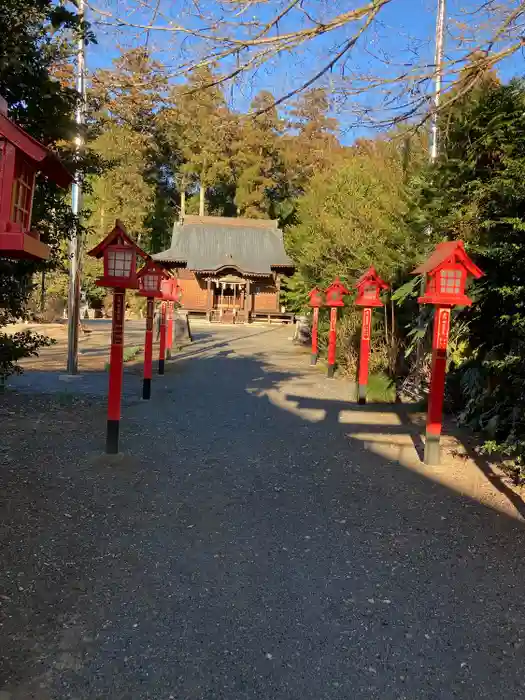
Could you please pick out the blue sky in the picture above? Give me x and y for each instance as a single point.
(403, 34)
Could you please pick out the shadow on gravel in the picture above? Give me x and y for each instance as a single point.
(240, 551)
(407, 426)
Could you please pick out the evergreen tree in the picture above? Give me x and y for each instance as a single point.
(258, 162)
(314, 145)
(476, 192)
(124, 118)
(350, 217)
(130, 92)
(201, 127)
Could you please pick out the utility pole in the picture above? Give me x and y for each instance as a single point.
(433, 153)
(438, 63)
(75, 244)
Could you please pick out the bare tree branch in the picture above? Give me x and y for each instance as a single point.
(238, 38)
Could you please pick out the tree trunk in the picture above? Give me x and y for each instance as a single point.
(182, 204)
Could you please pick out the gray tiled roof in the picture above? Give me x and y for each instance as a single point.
(211, 246)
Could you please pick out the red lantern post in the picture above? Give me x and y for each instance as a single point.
(170, 293)
(120, 261)
(175, 297)
(162, 337)
(21, 158)
(169, 330)
(316, 301)
(334, 299)
(447, 270)
(368, 287)
(150, 281)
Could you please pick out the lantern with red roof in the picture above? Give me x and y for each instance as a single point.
(120, 253)
(170, 289)
(170, 294)
(334, 299)
(335, 292)
(315, 298)
(447, 272)
(150, 279)
(315, 301)
(369, 286)
(21, 158)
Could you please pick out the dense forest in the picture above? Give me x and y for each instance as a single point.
(156, 149)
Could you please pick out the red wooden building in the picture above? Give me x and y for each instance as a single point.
(230, 269)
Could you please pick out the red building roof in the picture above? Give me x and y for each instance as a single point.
(448, 252)
(371, 277)
(45, 161)
(119, 236)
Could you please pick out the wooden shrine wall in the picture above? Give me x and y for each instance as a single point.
(194, 295)
(194, 292)
(264, 297)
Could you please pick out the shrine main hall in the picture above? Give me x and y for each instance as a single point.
(230, 269)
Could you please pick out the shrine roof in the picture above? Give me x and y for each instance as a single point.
(209, 244)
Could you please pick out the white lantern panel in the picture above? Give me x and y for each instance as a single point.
(120, 262)
(450, 282)
(150, 283)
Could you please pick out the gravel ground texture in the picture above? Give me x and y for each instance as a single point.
(260, 538)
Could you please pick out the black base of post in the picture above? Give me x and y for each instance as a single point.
(146, 388)
(161, 366)
(331, 370)
(313, 359)
(432, 450)
(112, 437)
(361, 394)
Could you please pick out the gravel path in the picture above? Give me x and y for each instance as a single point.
(248, 546)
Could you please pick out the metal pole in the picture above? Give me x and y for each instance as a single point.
(438, 63)
(75, 244)
(434, 138)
